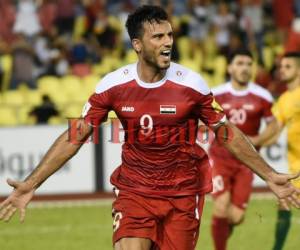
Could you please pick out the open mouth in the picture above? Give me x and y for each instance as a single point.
(166, 53)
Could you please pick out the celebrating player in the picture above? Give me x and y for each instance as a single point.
(161, 182)
(245, 104)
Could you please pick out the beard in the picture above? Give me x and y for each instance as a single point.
(153, 60)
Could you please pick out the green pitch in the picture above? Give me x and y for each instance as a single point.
(90, 227)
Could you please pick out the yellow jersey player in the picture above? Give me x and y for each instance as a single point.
(287, 112)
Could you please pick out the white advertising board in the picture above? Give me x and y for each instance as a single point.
(21, 148)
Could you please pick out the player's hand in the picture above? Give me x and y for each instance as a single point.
(17, 200)
(282, 187)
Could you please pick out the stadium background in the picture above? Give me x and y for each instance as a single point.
(62, 48)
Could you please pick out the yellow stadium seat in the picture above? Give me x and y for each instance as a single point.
(71, 85)
(13, 97)
(56, 120)
(6, 64)
(268, 57)
(33, 97)
(23, 115)
(49, 84)
(8, 116)
(89, 83)
(72, 111)
(191, 64)
(184, 45)
(131, 56)
(220, 66)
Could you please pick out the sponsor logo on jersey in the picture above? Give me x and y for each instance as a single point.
(248, 106)
(127, 109)
(167, 109)
(226, 106)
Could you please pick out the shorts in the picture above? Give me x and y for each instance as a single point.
(171, 223)
(236, 179)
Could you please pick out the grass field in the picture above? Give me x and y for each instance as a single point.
(89, 227)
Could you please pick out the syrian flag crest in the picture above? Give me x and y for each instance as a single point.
(167, 109)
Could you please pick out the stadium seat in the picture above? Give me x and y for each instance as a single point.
(183, 44)
(191, 64)
(49, 84)
(220, 66)
(23, 115)
(13, 97)
(130, 56)
(89, 83)
(72, 111)
(268, 57)
(33, 97)
(8, 116)
(6, 64)
(71, 85)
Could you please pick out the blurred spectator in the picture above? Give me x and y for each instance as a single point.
(23, 64)
(283, 12)
(65, 16)
(59, 63)
(27, 22)
(93, 7)
(293, 40)
(223, 22)
(47, 15)
(200, 19)
(45, 111)
(8, 15)
(105, 34)
(251, 22)
(126, 9)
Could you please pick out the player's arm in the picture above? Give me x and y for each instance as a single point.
(268, 136)
(58, 154)
(239, 145)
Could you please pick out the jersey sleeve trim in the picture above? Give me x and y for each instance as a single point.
(115, 78)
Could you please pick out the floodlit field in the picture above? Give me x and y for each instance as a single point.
(87, 226)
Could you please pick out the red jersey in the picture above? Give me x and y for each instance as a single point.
(159, 156)
(245, 109)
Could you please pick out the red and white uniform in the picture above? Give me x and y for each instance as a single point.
(245, 109)
(160, 158)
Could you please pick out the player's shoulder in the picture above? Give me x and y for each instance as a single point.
(260, 92)
(221, 89)
(118, 77)
(186, 77)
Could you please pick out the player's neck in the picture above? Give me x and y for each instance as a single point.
(149, 74)
(238, 86)
(294, 84)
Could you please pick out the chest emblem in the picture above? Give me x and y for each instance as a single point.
(167, 109)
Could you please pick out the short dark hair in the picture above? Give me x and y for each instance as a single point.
(239, 52)
(145, 13)
(292, 54)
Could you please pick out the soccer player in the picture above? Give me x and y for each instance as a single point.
(245, 105)
(159, 188)
(287, 112)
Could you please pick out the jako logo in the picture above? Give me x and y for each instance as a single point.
(127, 109)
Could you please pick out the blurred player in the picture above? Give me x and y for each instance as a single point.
(287, 112)
(245, 104)
(159, 186)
